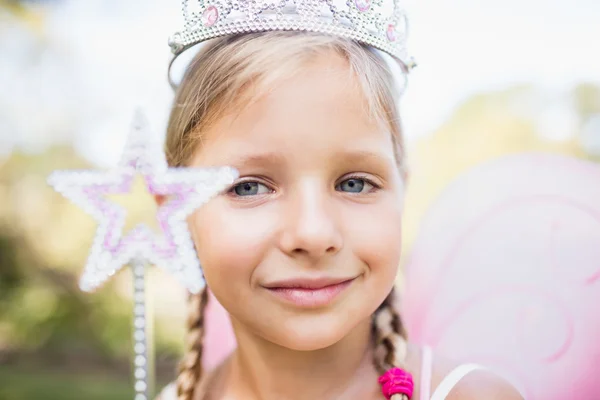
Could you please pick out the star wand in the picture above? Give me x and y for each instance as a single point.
(185, 189)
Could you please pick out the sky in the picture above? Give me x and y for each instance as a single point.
(80, 76)
(469, 46)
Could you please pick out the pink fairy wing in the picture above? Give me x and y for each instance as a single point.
(219, 340)
(506, 271)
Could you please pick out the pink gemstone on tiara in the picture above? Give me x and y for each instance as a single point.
(391, 33)
(362, 5)
(210, 16)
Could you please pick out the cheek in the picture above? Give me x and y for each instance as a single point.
(377, 236)
(230, 242)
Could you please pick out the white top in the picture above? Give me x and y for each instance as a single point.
(168, 393)
(449, 381)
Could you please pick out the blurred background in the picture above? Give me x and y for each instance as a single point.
(494, 78)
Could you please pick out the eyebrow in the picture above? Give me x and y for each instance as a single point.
(252, 160)
(273, 159)
(360, 156)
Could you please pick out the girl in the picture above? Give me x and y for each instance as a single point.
(303, 250)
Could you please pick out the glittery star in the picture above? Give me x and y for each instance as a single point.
(185, 188)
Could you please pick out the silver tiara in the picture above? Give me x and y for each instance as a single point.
(382, 24)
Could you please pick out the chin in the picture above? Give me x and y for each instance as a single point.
(310, 332)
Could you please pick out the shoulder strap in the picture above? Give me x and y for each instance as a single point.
(452, 379)
(426, 368)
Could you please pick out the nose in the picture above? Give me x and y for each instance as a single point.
(310, 225)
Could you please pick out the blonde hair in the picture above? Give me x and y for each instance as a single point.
(230, 72)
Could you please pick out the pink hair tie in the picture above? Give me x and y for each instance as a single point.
(396, 381)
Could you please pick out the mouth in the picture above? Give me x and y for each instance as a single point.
(309, 293)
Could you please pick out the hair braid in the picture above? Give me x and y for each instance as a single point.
(190, 367)
(390, 338)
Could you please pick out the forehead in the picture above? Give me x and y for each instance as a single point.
(320, 110)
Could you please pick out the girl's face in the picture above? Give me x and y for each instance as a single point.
(306, 244)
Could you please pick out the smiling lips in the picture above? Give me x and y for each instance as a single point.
(309, 293)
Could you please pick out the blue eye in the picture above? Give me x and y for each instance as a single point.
(354, 185)
(250, 188)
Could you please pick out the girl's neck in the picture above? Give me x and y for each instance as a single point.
(262, 370)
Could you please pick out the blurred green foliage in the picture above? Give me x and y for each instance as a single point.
(47, 325)
(587, 100)
(42, 307)
(47, 385)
